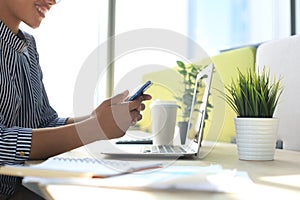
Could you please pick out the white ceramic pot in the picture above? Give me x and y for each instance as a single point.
(256, 138)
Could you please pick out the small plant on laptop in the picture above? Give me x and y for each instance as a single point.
(189, 74)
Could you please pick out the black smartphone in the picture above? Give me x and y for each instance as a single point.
(140, 90)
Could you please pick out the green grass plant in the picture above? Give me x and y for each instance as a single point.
(254, 94)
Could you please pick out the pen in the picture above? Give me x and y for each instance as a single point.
(131, 170)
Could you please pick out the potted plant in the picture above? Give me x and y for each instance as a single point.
(254, 97)
(189, 74)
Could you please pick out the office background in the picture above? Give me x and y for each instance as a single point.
(73, 29)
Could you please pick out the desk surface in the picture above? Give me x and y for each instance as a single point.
(277, 179)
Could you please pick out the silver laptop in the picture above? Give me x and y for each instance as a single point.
(195, 127)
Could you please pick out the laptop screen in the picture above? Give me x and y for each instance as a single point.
(198, 108)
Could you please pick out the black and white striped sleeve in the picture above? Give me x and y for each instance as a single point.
(15, 144)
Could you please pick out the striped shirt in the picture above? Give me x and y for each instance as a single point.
(24, 103)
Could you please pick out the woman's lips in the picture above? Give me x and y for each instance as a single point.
(41, 10)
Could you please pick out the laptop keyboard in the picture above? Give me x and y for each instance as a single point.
(163, 149)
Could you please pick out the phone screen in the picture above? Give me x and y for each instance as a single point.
(140, 90)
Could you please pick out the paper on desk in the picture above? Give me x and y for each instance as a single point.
(198, 178)
(210, 178)
(59, 167)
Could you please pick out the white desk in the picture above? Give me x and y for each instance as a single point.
(278, 179)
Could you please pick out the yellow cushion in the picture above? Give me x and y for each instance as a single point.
(226, 65)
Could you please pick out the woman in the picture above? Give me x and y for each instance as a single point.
(29, 126)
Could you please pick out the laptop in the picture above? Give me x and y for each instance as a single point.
(194, 131)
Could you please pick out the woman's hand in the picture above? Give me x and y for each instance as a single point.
(109, 120)
(115, 115)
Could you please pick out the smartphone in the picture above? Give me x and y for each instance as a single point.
(140, 91)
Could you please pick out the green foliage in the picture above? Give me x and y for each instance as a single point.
(254, 94)
(189, 74)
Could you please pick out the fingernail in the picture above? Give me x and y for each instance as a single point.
(126, 92)
(133, 123)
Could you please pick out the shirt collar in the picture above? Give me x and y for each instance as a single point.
(11, 39)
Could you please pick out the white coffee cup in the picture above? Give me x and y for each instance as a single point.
(163, 119)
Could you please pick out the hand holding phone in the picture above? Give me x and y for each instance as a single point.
(140, 91)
